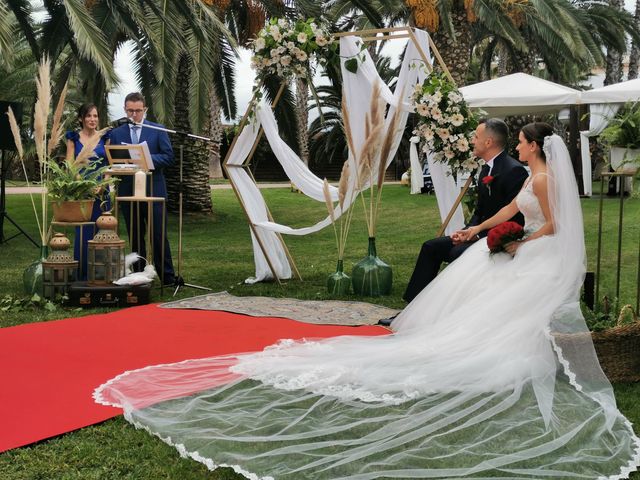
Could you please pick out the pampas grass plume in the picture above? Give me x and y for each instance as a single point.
(41, 112)
(328, 201)
(56, 128)
(88, 149)
(15, 130)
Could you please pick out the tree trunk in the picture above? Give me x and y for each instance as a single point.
(196, 193)
(215, 133)
(634, 56)
(456, 51)
(613, 72)
(302, 118)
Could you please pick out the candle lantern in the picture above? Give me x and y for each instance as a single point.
(59, 269)
(105, 256)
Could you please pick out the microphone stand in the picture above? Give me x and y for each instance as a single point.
(179, 280)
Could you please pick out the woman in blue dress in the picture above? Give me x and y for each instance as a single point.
(89, 121)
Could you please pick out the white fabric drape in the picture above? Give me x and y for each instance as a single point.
(357, 91)
(446, 193)
(599, 116)
(417, 178)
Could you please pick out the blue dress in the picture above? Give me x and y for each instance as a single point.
(100, 160)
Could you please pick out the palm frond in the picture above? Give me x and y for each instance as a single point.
(90, 41)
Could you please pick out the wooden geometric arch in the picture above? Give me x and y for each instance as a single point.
(368, 36)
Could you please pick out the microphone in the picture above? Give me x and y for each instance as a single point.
(122, 121)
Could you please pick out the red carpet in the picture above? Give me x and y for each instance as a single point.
(49, 370)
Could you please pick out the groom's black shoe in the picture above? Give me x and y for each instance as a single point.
(386, 322)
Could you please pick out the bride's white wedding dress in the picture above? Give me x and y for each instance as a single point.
(478, 381)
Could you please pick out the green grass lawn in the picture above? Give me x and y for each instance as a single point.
(218, 254)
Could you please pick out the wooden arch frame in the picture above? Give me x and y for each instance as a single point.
(368, 36)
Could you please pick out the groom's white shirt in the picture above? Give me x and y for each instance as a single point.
(490, 162)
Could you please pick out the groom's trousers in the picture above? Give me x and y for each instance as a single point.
(432, 254)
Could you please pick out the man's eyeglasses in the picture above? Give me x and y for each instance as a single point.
(137, 111)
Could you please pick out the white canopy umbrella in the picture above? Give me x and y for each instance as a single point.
(604, 103)
(622, 92)
(518, 94)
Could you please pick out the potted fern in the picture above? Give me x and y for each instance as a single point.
(622, 135)
(73, 187)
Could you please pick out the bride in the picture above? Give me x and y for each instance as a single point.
(490, 373)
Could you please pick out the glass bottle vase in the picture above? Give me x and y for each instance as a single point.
(371, 276)
(339, 283)
(33, 274)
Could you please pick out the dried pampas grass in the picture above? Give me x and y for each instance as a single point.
(88, 148)
(56, 128)
(41, 111)
(15, 131)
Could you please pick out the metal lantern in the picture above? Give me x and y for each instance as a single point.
(59, 269)
(105, 257)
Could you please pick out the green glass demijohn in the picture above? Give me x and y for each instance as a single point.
(32, 276)
(371, 277)
(339, 283)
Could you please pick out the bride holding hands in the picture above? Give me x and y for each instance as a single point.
(490, 372)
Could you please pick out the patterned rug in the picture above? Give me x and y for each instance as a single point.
(322, 312)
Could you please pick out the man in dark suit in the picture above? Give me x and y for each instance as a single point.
(500, 181)
(162, 156)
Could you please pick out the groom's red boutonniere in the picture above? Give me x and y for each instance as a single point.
(487, 180)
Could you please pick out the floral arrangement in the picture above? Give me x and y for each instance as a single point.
(284, 49)
(445, 123)
(503, 234)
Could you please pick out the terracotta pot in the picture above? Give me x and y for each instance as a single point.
(72, 210)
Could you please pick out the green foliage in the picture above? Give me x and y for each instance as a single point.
(13, 303)
(68, 181)
(624, 129)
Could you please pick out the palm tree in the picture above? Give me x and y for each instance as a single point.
(613, 72)
(634, 55)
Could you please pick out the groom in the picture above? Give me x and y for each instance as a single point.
(500, 181)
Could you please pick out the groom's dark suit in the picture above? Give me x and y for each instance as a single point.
(508, 176)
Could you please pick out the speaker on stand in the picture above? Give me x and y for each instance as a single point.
(7, 145)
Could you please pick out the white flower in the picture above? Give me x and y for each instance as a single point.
(259, 44)
(282, 22)
(321, 41)
(286, 60)
(455, 97)
(427, 133)
(301, 55)
(449, 154)
(437, 96)
(274, 30)
(274, 53)
(291, 46)
(457, 120)
(277, 36)
(462, 145)
(436, 114)
(443, 133)
(302, 37)
(422, 109)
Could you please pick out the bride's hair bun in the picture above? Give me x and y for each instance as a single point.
(537, 132)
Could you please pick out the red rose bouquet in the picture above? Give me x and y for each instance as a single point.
(502, 234)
